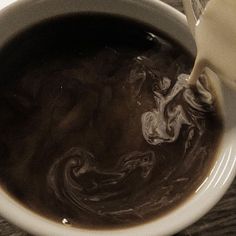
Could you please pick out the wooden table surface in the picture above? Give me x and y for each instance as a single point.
(220, 221)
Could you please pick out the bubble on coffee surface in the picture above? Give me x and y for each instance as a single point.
(103, 133)
(65, 222)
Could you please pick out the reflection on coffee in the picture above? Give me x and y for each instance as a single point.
(98, 125)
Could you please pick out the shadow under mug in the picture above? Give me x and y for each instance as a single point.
(17, 15)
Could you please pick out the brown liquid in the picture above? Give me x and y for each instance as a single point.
(95, 127)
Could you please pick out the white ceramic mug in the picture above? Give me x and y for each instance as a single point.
(16, 15)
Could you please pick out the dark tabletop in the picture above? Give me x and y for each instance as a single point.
(220, 221)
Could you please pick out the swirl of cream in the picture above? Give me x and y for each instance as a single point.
(65, 172)
(134, 160)
(76, 180)
(164, 122)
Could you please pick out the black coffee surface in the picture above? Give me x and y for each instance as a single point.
(98, 125)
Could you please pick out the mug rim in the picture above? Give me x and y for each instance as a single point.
(208, 194)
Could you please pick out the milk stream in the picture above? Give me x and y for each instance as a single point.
(215, 36)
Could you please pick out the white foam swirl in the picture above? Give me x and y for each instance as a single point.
(164, 122)
(75, 180)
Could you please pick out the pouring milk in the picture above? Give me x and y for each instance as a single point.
(215, 35)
